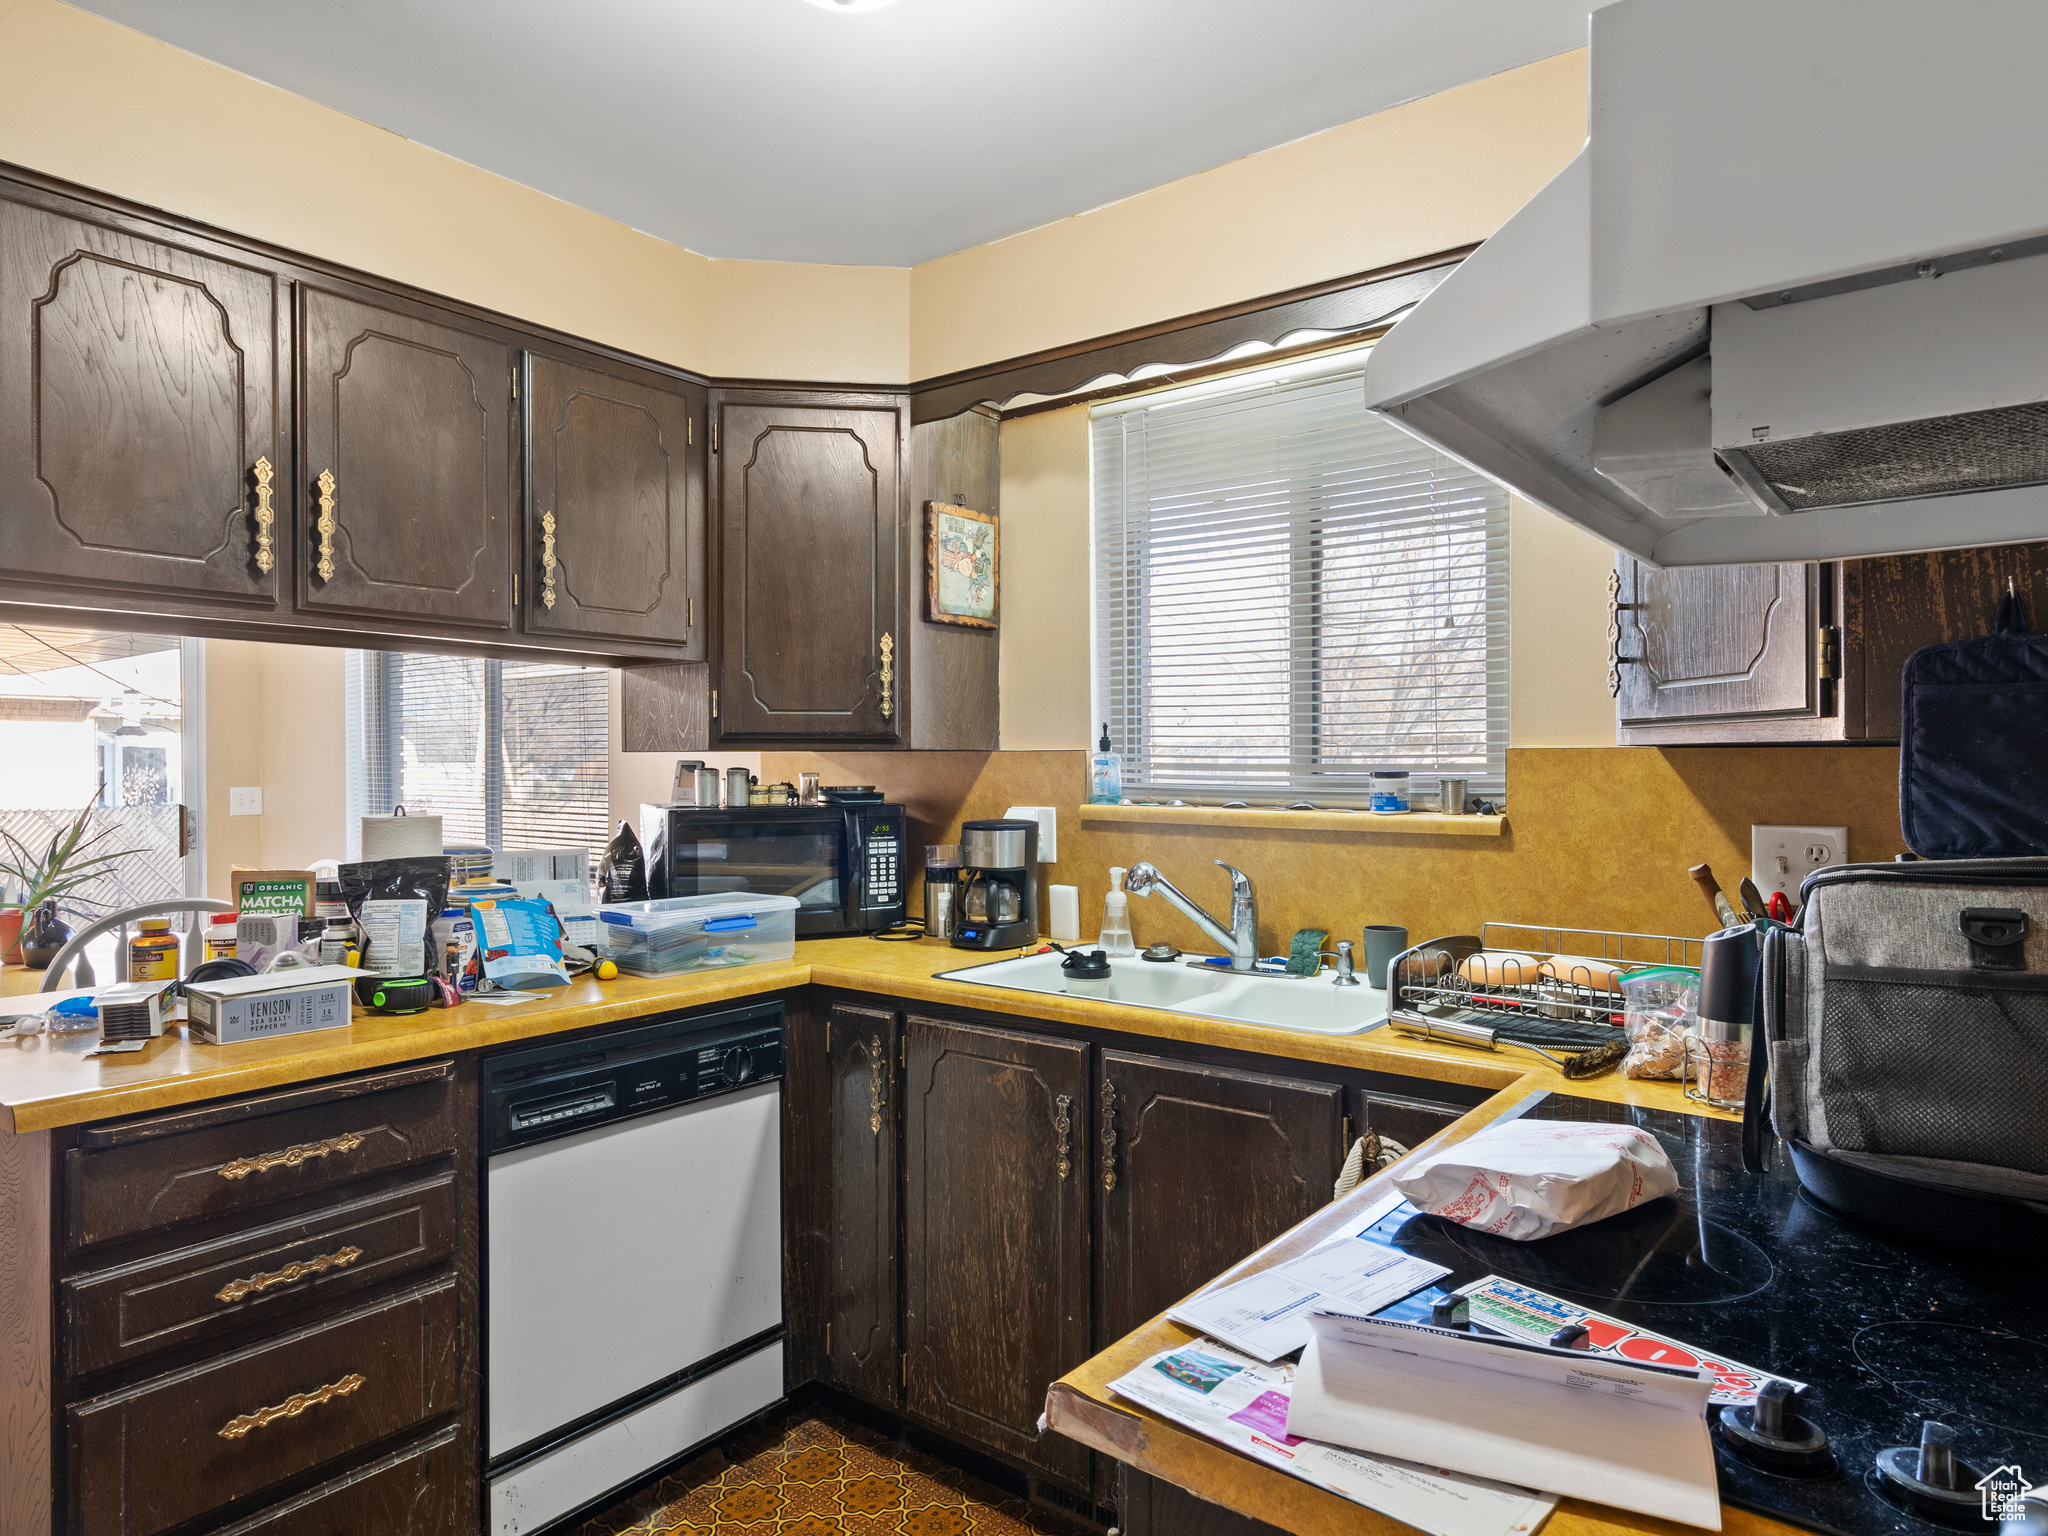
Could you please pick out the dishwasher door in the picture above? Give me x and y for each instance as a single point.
(625, 1255)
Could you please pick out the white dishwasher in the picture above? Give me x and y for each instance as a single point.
(633, 1255)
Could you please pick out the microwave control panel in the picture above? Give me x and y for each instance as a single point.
(883, 886)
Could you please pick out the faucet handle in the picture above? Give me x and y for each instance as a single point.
(1240, 882)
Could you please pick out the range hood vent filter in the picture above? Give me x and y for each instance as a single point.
(1941, 456)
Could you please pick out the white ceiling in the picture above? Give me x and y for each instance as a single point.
(775, 130)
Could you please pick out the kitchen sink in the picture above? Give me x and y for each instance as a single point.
(1311, 1005)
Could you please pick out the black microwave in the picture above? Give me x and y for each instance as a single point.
(846, 865)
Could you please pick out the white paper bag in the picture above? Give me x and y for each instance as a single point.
(1529, 1178)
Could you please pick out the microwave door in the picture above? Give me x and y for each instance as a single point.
(768, 856)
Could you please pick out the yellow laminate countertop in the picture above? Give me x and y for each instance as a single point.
(49, 1080)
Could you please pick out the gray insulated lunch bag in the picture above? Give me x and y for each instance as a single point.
(1902, 1050)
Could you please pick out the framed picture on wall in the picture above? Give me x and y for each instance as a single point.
(959, 565)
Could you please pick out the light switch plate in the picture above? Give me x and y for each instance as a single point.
(246, 802)
(1781, 857)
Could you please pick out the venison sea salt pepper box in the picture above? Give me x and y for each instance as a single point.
(280, 1003)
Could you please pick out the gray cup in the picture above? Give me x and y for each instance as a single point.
(1383, 941)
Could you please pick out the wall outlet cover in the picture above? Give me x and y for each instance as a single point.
(246, 802)
(1781, 857)
(1048, 819)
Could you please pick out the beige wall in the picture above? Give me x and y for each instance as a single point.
(784, 320)
(1424, 177)
(275, 720)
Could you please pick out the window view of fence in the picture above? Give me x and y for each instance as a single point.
(89, 719)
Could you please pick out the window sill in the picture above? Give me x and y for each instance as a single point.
(1359, 823)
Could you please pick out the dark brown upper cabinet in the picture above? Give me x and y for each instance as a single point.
(1736, 653)
(142, 463)
(1208, 1165)
(1780, 653)
(811, 535)
(614, 508)
(405, 432)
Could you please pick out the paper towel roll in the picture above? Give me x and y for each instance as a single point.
(401, 837)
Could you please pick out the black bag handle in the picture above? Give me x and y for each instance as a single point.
(2012, 612)
(1767, 1021)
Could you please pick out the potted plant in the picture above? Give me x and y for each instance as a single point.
(47, 885)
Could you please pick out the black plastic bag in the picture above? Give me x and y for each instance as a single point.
(390, 900)
(622, 872)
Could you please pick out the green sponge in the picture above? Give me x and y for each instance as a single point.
(1305, 954)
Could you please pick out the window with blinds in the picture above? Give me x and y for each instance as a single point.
(1290, 593)
(509, 754)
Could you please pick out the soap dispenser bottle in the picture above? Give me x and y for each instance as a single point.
(1105, 773)
(1116, 920)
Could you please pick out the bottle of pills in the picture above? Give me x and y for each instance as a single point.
(153, 953)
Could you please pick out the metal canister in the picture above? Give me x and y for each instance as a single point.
(737, 782)
(939, 886)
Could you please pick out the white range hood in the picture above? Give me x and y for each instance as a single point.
(1789, 303)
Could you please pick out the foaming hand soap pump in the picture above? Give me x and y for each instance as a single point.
(1115, 941)
(1105, 773)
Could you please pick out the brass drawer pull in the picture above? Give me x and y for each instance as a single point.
(290, 1157)
(1108, 1134)
(1063, 1122)
(264, 516)
(326, 525)
(291, 1407)
(888, 674)
(547, 560)
(235, 1290)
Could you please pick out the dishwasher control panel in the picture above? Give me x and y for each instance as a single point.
(539, 1094)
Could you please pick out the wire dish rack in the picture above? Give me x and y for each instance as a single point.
(1526, 983)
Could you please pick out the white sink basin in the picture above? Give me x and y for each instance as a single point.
(1311, 1005)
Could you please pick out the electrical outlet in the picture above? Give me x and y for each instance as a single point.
(1781, 857)
(246, 802)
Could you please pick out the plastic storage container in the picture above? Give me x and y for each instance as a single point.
(1389, 792)
(687, 933)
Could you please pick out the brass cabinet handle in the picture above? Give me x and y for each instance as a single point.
(264, 516)
(289, 1157)
(1108, 1134)
(255, 1285)
(1063, 1123)
(291, 1407)
(326, 525)
(888, 673)
(875, 1087)
(547, 560)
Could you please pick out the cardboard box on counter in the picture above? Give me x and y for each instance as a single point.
(291, 1002)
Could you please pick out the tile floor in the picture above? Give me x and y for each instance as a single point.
(815, 1474)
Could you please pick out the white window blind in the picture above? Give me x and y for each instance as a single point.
(509, 754)
(1290, 593)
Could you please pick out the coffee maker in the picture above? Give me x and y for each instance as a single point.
(997, 904)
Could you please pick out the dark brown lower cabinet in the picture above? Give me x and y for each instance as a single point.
(1201, 1166)
(408, 1493)
(995, 1262)
(1150, 1506)
(861, 1341)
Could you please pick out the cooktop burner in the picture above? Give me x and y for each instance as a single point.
(1886, 1332)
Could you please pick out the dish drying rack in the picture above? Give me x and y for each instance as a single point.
(1561, 1003)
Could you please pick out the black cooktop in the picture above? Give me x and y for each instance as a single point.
(1886, 1333)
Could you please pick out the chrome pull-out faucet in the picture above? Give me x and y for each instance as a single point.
(1240, 941)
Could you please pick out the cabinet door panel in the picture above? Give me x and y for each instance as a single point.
(995, 1292)
(863, 1342)
(614, 501)
(138, 390)
(412, 419)
(1209, 1164)
(810, 527)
